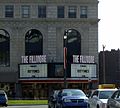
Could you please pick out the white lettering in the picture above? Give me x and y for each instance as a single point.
(75, 58)
(24, 59)
(34, 59)
(86, 59)
(37, 59)
(83, 59)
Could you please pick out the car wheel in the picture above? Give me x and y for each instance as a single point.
(61, 106)
(98, 106)
(6, 105)
(55, 106)
(88, 106)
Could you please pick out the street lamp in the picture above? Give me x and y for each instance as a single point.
(65, 59)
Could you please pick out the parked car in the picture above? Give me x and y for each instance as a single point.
(72, 98)
(99, 97)
(52, 99)
(114, 100)
(3, 98)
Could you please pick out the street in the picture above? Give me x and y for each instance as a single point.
(29, 106)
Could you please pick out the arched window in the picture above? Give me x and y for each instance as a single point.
(4, 48)
(73, 43)
(33, 42)
(73, 46)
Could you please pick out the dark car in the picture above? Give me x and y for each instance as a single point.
(3, 98)
(114, 100)
(52, 99)
(72, 98)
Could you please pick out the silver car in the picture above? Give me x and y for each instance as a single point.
(99, 97)
(114, 100)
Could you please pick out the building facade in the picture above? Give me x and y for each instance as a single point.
(32, 45)
(109, 69)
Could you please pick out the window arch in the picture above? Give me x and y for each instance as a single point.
(73, 47)
(73, 43)
(33, 42)
(4, 48)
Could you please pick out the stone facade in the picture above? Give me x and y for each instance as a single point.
(52, 29)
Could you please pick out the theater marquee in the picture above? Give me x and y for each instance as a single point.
(83, 70)
(33, 59)
(83, 59)
(33, 70)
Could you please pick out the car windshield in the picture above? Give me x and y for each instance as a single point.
(2, 95)
(73, 93)
(105, 94)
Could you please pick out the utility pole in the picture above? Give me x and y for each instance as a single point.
(104, 75)
(65, 58)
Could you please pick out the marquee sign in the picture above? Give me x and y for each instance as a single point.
(33, 70)
(34, 59)
(83, 59)
(83, 70)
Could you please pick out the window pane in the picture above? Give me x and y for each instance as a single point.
(33, 42)
(55, 70)
(25, 11)
(72, 12)
(60, 11)
(42, 11)
(59, 71)
(83, 12)
(9, 11)
(4, 48)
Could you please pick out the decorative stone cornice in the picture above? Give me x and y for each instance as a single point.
(22, 23)
(19, 20)
(49, 1)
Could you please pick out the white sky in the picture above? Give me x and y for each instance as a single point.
(109, 24)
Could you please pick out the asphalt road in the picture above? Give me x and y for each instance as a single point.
(29, 106)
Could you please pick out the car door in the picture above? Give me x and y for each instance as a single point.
(117, 100)
(93, 99)
(114, 101)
